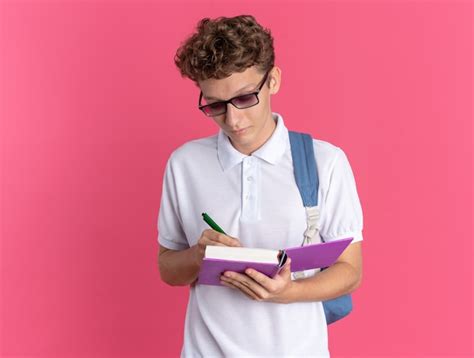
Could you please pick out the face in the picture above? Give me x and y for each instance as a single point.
(249, 128)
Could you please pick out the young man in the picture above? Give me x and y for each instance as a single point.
(243, 177)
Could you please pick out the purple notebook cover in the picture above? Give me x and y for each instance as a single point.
(316, 255)
(212, 269)
(302, 258)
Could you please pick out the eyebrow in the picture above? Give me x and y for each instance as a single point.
(235, 94)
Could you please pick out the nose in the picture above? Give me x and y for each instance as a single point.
(232, 116)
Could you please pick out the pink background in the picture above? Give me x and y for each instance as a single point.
(92, 106)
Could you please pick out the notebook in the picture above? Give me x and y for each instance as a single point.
(218, 259)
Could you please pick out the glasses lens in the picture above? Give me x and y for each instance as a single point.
(214, 109)
(247, 100)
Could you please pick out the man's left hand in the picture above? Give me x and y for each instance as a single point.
(260, 287)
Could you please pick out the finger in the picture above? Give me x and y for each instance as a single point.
(224, 239)
(215, 243)
(225, 281)
(242, 287)
(227, 284)
(244, 281)
(259, 277)
(236, 241)
(207, 239)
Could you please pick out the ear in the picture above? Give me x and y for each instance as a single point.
(275, 80)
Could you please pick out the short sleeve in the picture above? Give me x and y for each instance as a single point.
(170, 231)
(341, 215)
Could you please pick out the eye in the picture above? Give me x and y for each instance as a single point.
(215, 108)
(216, 105)
(245, 100)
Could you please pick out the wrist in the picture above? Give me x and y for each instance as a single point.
(197, 256)
(289, 293)
(194, 264)
(297, 287)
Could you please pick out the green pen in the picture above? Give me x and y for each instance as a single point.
(212, 224)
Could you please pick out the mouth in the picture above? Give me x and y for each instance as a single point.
(239, 131)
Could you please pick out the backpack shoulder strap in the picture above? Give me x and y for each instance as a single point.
(304, 166)
(306, 177)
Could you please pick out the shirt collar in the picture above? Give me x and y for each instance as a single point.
(272, 150)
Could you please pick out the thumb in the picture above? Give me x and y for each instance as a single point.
(287, 265)
(236, 241)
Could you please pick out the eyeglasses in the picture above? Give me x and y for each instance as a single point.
(240, 102)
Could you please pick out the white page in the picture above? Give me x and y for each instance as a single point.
(242, 254)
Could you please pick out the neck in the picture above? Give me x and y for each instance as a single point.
(262, 137)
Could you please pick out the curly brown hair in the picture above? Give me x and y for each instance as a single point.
(224, 46)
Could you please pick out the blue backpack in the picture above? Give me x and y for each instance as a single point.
(306, 175)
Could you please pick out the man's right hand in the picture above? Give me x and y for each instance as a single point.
(212, 237)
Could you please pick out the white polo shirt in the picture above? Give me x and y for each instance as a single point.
(254, 198)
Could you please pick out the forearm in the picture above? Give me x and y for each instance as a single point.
(179, 268)
(337, 280)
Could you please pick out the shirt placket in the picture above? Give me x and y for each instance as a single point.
(250, 183)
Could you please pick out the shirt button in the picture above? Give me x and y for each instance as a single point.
(249, 178)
